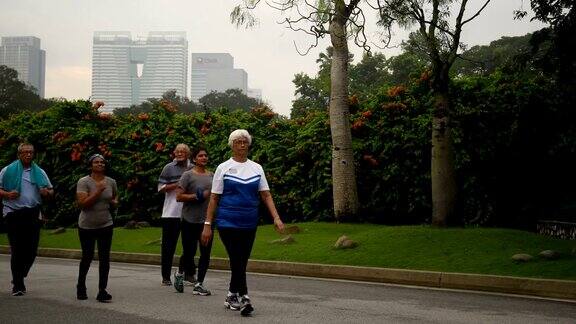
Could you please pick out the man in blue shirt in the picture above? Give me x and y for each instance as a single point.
(23, 185)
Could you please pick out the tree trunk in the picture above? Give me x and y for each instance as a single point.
(443, 173)
(343, 170)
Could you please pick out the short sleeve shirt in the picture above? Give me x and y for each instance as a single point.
(239, 185)
(98, 215)
(190, 183)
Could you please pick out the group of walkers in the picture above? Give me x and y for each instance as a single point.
(196, 202)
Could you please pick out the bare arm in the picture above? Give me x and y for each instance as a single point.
(266, 197)
(207, 231)
(181, 196)
(86, 200)
(168, 187)
(47, 193)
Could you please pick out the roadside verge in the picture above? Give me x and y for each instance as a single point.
(562, 289)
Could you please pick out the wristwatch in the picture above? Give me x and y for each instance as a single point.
(207, 223)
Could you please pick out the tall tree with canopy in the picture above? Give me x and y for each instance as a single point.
(438, 35)
(340, 21)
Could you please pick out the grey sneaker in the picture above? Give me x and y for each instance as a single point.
(166, 282)
(199, 289)
(232, 302)
(245, 306)
(179, 281)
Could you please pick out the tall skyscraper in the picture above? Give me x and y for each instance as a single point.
(128, 71)
(215, 72)
(24, 55)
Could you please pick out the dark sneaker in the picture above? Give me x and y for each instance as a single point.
(166, 282)
(17, 292)
(103, 296)
(246, 307)
(81, 293)
(232, 302)
(179, 282)
(199, 289)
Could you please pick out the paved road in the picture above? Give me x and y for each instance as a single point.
(139, 298)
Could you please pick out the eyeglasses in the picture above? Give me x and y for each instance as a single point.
(241, 142)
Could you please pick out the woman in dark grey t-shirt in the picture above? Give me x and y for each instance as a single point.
(193, 189)
(95, 194)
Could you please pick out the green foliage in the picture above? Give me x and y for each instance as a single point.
(16, 96)
(230, 99)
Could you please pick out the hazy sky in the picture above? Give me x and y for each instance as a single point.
(266, 52)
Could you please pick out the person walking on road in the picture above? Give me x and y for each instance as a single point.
(172, 210)
(96, 195)
(238, 187)
(193, 191)
(23, 186)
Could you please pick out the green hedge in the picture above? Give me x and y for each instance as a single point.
(514, 139)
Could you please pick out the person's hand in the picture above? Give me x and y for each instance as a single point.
(279, 225)
(100, 186)
(13, 195)
(206, 193)
(45, 192)
(206, 235)
(114, 202)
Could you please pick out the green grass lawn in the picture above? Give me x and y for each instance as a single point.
(471, 250)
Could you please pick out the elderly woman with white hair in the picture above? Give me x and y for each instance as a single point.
(238, 186)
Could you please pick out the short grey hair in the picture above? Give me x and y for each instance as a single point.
(238, 134)
(184, 147)
(22, 145)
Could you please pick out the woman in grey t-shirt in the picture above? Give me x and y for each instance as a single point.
(95, 194)
(193, 189)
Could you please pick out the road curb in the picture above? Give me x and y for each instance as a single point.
(562, 289)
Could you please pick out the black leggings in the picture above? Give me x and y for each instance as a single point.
(23, 227)
(170, 233)
(238, 243)
(191, 234)
(88, 238)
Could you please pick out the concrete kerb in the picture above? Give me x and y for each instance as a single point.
(562, 289)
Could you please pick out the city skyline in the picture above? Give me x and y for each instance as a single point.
(25, 55)
(129, 70)
(267, 51)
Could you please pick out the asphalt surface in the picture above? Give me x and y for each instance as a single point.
(139, 298)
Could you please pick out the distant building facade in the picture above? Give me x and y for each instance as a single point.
(127, 71)
(23, 54)
(215, 72)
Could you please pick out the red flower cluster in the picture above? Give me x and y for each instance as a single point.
(77, 150)
(60, 136)
(105, 116)
(168, 105)
(159, 146)
(143, 116)
(353, 100)
(358, 124)
(394, 106)
(104, 150)
(205, 129)
(396, 91)
(132, 183)
(370, 159)
(97, 105)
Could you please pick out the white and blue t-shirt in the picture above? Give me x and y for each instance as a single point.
(239, 185)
